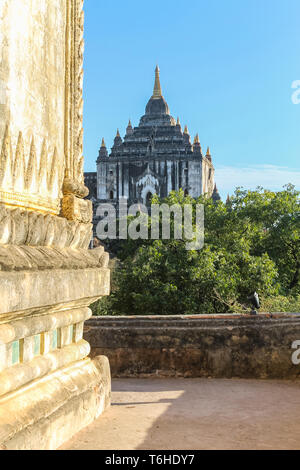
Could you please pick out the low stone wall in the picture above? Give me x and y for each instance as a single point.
(197, 346)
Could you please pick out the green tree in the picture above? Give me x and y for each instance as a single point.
(251, 243)
(274, 220)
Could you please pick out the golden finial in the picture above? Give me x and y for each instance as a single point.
(178, 122)
(129, 129)
(118, 133)
(208, 152)
(157, 88)
(196, 140)
(186, 131)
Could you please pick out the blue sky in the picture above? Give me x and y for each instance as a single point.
(227, 69)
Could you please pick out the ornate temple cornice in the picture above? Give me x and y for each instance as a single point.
(21, 227)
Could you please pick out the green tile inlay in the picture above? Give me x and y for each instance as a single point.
(15, 352)
(54, 339)
(37, 345)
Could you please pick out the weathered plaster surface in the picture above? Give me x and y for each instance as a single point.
(31, 291)
(46, 414)
(32, 70)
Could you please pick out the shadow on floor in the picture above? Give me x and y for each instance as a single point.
(218, 414)
(196, 414)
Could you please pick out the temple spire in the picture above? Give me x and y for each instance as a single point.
(208, 155)
(129, 129)
(215, 195)
(118, 140)
(157, 88)
(196, 139)
(103, 151)
(197, 146)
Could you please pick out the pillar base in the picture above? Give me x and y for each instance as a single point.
(49, 411)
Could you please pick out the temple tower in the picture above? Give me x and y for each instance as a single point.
(154, 157)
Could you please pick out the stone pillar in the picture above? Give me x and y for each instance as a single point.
(49, 387)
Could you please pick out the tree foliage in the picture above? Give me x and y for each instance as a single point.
(251, 243)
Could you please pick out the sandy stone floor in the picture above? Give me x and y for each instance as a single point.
(172, 414)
